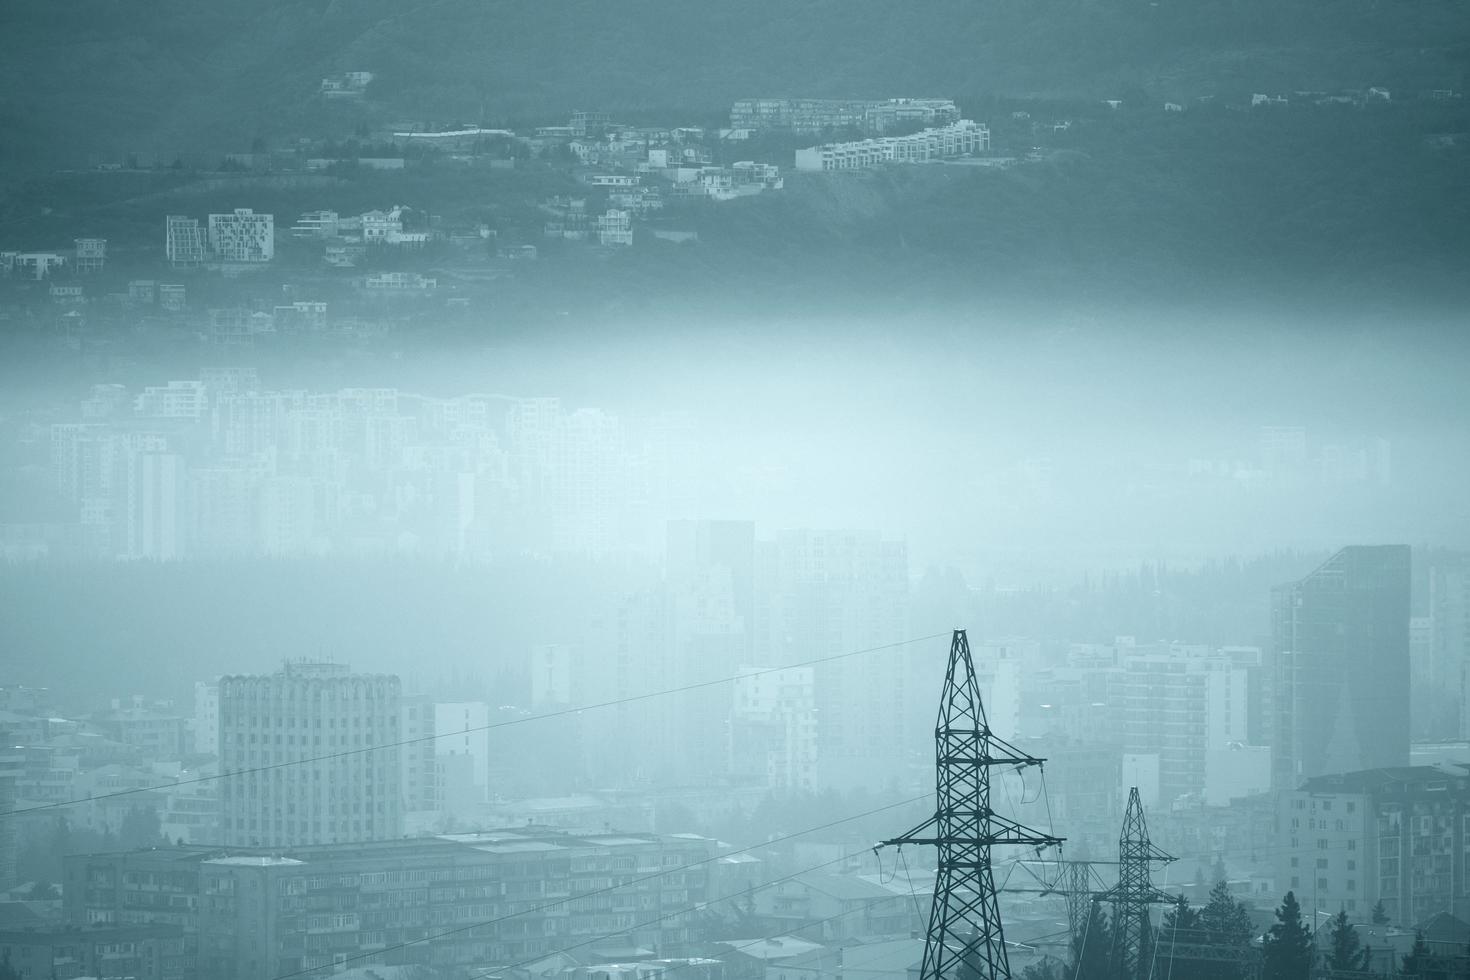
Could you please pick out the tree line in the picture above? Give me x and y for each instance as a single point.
(1218, 941)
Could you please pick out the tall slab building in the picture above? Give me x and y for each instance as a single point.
(1340, 650)
(299, 757)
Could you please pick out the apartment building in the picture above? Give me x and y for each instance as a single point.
(242, 236)
(958, 139)
(813, 116)
(183, 242)
(486, 899)
(1397, 835)
(155, 952)
(322, 718)
(91, 255)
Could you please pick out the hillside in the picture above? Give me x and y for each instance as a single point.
(91, 79)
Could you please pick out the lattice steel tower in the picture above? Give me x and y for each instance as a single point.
(1134, 892)
(965, 939)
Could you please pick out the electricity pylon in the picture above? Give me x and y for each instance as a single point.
(1134, 892)
(965, 938)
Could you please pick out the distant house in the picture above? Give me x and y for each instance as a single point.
(348, 85)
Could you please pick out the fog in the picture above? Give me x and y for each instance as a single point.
(471, 516)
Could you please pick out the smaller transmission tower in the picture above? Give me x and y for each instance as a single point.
(965, 940)
(1134, 892)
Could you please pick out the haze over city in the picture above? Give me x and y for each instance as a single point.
(669, 491)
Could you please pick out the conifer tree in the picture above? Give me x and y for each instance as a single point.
(1092, 951)
(1346, 953)
(1288, 949)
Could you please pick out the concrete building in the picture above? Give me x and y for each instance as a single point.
(265, 915)
(824, 593)
(171, 297)
(1397, 834)
(242, 236)
(157, 734)
(205, 728)
(816, 116)
(35, 265)
(307, 711)
(615, 227)
(1340, 666)
(462, 754)
(154, 952)
(91, 255)
(773, 727)
(175, 400)
(183, 242)
(958, 139)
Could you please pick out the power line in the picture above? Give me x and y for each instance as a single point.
(559, 713)
(610, 888)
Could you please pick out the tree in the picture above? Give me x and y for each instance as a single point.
(1181, 922)
(1418, 961)
(1346, 953)
(141, 828)
(1287, 951)
(1380, 914)
(1224, 919)
(1092, 951)
(1045, 969)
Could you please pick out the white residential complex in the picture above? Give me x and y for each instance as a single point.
(870, 116)
(963, 138)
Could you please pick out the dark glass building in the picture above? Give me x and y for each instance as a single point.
(1340, 652)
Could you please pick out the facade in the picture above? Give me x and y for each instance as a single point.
(814, 116)
(615, 227)
(1340, 671)
(183, 242)
(242, 236)
(157, 505)
(962, 138)
(171, 297)
(266, 915)
(91, 255)
(1399, 835)
(825, 593)
(773, 728)
(303, 712)
(153, 952)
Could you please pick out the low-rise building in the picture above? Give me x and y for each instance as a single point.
(152, 952)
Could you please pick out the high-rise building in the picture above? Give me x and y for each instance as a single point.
(206, 718)
(242, 236)
(299, 759)
(184, 242)
(156, 506)
(831, 593)
(1340, 678)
